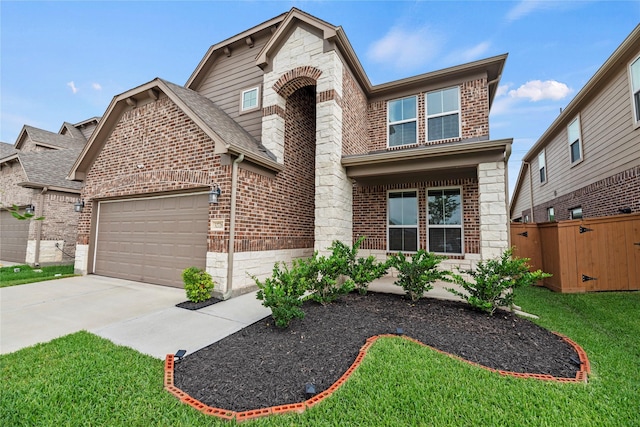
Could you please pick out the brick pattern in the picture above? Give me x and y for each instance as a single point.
(174, 155)
(602, 198)
(295, 79)
(370, 212)
(273, 109)
(354, 117)
(474, 112)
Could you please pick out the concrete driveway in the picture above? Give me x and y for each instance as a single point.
(137, 315)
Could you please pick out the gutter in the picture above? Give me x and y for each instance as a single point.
(232, 226)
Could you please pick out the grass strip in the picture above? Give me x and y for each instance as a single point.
(22, 274)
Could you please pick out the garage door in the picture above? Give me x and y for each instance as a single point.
(13, 238)
(152, 240)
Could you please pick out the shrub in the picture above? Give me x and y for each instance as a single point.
(362, 271)
(282, 292)
(198, 284)
(325, 275)
(494, 281)
(416, 276)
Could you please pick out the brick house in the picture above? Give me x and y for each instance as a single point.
(283, 121)
(587, 163)
(33, 174)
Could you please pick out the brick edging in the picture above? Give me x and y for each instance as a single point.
(581, 377)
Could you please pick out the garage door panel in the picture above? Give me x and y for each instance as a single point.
(152, 240)
(13, 238)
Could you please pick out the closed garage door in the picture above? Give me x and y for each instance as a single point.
(13, 238)
(152, 240)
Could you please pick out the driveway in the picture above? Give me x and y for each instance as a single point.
(137, 315)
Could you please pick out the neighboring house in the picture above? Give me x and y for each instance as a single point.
(587, 164)
(33, 174)
(283, 121)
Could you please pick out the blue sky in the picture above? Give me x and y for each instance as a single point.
(64, 61)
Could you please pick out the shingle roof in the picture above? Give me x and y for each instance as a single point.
(7, 150)
(50, 167)
(218, 121)
(74, 131)
(54, 139)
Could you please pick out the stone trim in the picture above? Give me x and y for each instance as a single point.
(295, 79)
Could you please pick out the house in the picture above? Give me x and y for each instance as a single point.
(33, 175)
(587, 163)
(276, 146)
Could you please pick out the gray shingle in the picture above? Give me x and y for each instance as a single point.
(54, 139)
(50, 167)
(7, 150)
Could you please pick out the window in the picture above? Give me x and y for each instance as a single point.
(445, 220)
(249, 99)
(551, 215)
(575, 144)
(443, 114)
(575, 213)
(403, 221)
(635, 88)
(542, 166)
(402, 120)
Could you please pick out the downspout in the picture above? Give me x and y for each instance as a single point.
(39, 212)
(232, 225)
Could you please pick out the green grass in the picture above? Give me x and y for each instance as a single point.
(82, 379)
(8, 276)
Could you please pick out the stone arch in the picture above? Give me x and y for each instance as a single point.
(295, 79)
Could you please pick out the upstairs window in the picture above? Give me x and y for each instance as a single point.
(403, 221)
(445, 220)
(542, 167)
(575, 140)
(443, 114)
(249, 99)
(403, 121)
(635, 88)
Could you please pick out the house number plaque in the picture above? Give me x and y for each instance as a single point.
(217, 225)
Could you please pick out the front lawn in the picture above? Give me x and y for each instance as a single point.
(25, 274)
(82, 379)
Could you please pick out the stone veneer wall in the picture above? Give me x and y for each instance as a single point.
(494, 228)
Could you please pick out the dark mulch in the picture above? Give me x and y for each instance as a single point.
(189, 305)
(262, 366)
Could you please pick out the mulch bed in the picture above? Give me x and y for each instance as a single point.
(262, 365)
(189, 305)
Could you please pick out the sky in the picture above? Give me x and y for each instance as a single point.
(65, 60)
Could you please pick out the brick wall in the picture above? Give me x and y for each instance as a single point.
(370, 212)
(60, 223)
(354, 117)
(474, 106)
(174, 154)
(602, 198)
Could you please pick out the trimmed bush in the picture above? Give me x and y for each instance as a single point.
(494, 281)
(362, 271)
(282, 292)
(198, 284)
(417, 275)
(326, 277)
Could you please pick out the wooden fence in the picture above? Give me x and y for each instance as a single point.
(594, 254)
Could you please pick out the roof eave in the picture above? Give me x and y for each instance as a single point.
(39, 185)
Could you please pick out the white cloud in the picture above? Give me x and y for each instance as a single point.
(470, 54)
(536, 90)
(73, 87)
(406, 49)
(502, 90)
(96, 86)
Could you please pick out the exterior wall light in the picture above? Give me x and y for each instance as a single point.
(78, 206)
(30, 209)
(214, 193)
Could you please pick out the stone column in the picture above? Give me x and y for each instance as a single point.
(494, 225)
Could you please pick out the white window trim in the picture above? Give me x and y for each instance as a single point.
(448, 113)
(543, 164)
(399, 122)
(580, 145)
(634, 113)
(258, 104)
(574, 209)
(551, 211)
(389, 226)
(461, 226)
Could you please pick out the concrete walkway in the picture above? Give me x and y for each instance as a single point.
(133, 314)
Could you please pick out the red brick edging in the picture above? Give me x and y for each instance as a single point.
(581, 377)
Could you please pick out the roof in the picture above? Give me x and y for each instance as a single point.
(617, 59)
(227, 134)
(47, 139)
(6, 150)
(74, 132)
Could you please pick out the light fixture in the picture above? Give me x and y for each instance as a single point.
(399, 331)
(214, 193)
(30, 209)
(309, 390)
(180, 354)
(79, 205)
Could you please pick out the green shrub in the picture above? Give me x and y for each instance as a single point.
(417, 275)
(282, 292)
(494, 281)
(326, 281)
(198, 284)
(362, 271)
